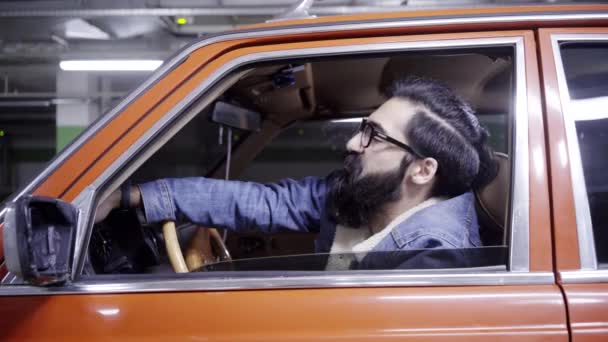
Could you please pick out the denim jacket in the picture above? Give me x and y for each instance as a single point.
(300, 206)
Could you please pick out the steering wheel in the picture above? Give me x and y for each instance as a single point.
(206, 247)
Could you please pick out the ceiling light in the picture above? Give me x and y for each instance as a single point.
(110, 65)
(82, 29)
(349, 120)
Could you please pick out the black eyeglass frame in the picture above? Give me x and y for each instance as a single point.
(376, 134)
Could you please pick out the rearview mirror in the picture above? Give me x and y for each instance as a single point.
(38, 237)
(236, 117)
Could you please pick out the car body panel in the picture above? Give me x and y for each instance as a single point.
(540, 214)
(531, 312)
(562, 197)
(587, 302)
(587, 311)
(473, 313)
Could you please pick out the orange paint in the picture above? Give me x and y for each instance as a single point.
(540, 211)
(586, 302)
(564, 217)
(587, 305)
(473, 313)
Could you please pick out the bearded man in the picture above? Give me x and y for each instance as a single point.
(405, 185)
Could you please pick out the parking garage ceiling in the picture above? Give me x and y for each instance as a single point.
(36, 34)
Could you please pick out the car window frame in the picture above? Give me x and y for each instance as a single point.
(587, 268)
(517, 261)
(519, 255)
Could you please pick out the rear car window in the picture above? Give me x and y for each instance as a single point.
(586, 71)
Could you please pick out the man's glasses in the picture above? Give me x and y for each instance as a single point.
(368, 133)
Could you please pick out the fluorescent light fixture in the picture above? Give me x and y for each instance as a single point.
(349, 120)
(110, 65)
(590, 109)
(82, 29)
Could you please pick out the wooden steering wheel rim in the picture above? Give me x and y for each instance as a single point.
(200, 251)
(174, 251)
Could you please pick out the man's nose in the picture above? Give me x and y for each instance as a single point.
(354, 144)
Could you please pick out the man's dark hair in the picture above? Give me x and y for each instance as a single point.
(446, 129)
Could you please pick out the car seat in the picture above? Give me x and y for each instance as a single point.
(491, 203)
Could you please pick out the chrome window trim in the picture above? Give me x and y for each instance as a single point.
(10, 279)
(180, 56)
(584, 226)
(519, 221)
(584, 276)
(307, 280)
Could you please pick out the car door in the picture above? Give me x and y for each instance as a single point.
(522, 301)
(574, 62)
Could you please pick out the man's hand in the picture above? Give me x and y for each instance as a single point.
(113, 202)
(110, 203)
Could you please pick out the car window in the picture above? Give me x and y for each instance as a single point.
(282, 169)
(195, 151)
(314, 148)
(304, 148)
(586, 71)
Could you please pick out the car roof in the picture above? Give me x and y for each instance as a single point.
(440, 13)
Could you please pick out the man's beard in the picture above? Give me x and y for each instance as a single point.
(353, 202)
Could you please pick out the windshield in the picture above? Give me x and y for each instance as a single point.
(196, 151)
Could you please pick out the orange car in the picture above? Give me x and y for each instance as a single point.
(538, 78)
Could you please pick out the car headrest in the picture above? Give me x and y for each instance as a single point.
(492, 203)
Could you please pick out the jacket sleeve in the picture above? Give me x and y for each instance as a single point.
(235, 205)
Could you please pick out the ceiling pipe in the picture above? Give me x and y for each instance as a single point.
(21, 115)
(298, 10)
(47, 95)
(203, 11)
(23, 104)
(48, 99)
(258, 8)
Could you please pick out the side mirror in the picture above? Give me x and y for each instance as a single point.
(39, 236)
(236, 117)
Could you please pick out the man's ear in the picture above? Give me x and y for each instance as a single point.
(423, 171)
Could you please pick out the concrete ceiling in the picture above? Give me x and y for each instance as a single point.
(59, 27)
(36, 34)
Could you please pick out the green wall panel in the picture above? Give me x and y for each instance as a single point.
(65, 134)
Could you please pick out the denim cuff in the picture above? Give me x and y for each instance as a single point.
(157, 201)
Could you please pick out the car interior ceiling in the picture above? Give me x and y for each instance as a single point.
(332, 88)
